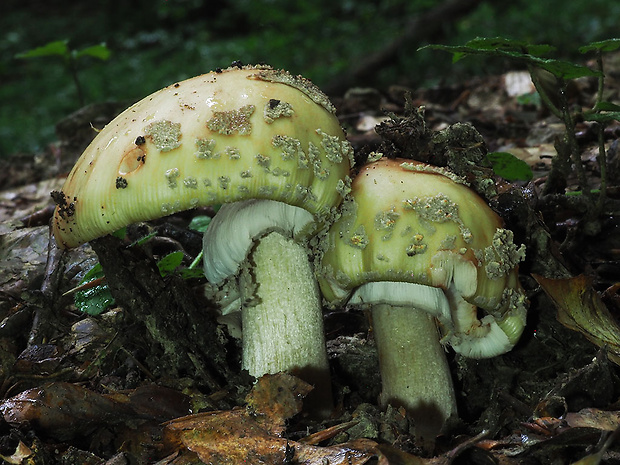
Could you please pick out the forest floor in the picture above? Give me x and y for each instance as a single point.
(93, 389)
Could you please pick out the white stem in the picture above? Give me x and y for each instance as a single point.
(282, 320)
(414, 370)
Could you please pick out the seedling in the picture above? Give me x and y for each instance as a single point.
(551, 77)
(69, 57)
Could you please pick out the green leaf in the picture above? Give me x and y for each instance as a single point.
(97, 299)
(510, 167)
(496, 44)
(192, 273)
(533, 98)
(520, 51)
(606, 117)
(170, 262)
(56, 48)
(606, 106)
(565, 69)
(200, 223)
(143, 240)
(120, 233)
(101, 51)
(608, 45)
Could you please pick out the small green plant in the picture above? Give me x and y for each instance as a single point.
(509, 167)
(70, 57)
(551, 77)
(93, 295)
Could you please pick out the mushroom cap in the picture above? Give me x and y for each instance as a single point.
(225, 136)
(410, 222)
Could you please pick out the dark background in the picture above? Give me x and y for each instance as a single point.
(157, 42)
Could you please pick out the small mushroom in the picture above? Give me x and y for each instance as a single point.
(417, 246)
(262, 141)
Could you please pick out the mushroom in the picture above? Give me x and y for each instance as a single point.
(262, 141)
(417, 246)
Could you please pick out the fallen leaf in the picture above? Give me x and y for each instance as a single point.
(65, 410)
(22, 452)
(594, 418)
(62, 410)
(252, 435)
(277, 398)
(581, 309)
(234, 436)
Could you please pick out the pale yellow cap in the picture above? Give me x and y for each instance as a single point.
(230, 135)
(409, 222)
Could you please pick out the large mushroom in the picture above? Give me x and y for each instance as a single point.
(261, 140)
(417, 246)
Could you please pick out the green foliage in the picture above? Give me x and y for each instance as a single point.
(97, 299)
(70, 57)
(510, 167)
(200, 223)
(608, 45)
(552, 92)
(603, 112)
(158, 43)
(60, 48)
(170, 262)
(529, 54)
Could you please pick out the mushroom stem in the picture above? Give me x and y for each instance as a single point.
(282, 317)
(414, 370)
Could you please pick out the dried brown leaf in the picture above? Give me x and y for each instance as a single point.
(580, 308)
(63, 410)
(252, 435)
(276, 398)
(594, 418)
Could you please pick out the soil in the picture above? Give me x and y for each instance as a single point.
(118, 387)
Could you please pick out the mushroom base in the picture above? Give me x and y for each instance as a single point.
(414, 370)
(282, 318)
